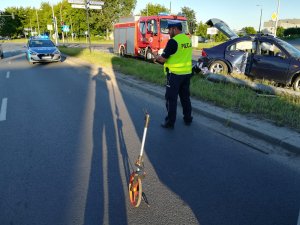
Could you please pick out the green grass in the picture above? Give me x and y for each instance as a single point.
(85, 41)
(281, 110)
(21, 40)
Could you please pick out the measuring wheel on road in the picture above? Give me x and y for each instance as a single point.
(135, 189)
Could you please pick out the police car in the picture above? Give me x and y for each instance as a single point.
(42, 49)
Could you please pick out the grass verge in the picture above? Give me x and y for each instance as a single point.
(281, 110)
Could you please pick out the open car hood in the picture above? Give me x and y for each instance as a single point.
(223, 27)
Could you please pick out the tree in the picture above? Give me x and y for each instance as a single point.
(153, 9)
(100, 21)
(190, 14)
(249, 30)
(280, 32)
(292, 31)
(201, 30)
(11, 26)
(111, 11)
(220, 37)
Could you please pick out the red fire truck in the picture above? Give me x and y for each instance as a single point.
(142, 35)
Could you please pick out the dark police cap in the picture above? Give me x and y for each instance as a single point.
(175, 23)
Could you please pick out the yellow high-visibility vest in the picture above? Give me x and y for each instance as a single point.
(180, 63)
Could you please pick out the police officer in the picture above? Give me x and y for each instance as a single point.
(177, 59)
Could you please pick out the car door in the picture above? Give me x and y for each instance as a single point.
(237, 54)
(142, 40)
(269, 62)
(152, 34)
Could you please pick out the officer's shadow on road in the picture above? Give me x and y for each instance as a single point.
(106, 189)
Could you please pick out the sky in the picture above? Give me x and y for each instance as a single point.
(236, 13)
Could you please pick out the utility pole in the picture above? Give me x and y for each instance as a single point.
(61, 23)
(72, 28)
(277, 15)
(55, 25)
(30, 27)
(147, 9)
(88, 24)
(37, 19)
(260, 17)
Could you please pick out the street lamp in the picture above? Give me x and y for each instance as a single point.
(55, 25)
(260, 17)
(30, 24)
(277, 13)
(37, 19)
(30, 27)
(61, 22)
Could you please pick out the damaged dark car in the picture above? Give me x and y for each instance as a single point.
(258, 57)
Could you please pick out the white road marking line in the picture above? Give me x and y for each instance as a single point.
(298, 223)
(7, 74)
(3, 109)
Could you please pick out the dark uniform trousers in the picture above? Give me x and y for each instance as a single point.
(178, 85)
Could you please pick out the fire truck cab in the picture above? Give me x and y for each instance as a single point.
(141, 35)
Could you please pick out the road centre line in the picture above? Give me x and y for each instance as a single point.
(3, 109)
(7, 74)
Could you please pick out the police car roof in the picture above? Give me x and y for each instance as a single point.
(39, 37)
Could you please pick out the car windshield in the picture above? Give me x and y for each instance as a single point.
(164, 26)
(290, 48)
(41, 43)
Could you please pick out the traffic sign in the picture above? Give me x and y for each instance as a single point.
(65, 28)
(49, 27)
(274, 16)
(76, 1)
(212, 30)
(95, 2)
(95, 7)
(78, 6)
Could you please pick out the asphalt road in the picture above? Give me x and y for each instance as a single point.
(69, 137)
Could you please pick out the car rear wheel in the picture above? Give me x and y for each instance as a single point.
(296, 84)
(218, 67)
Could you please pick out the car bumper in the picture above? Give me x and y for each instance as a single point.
(45, 58)
(201, 66)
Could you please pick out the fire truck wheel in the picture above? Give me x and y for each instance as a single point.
(149, 55)
(122, 51)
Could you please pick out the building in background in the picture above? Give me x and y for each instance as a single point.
(269, 26)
